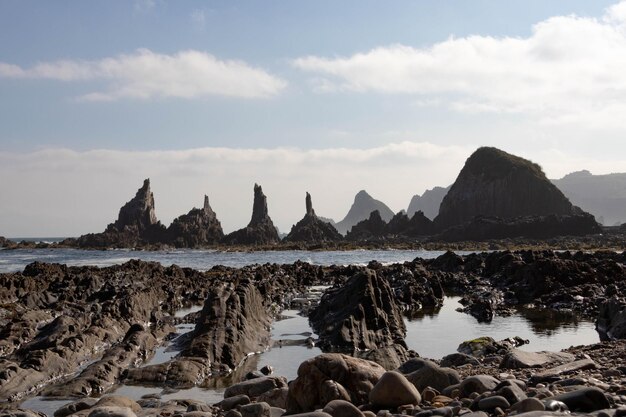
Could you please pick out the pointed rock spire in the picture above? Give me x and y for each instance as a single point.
(309, 205)
(138, 212)
(261, 229)
(259, 207)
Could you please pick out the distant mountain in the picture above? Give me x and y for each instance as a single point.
(495, 183)
(428, 202)
(363, 205)
(604, 196)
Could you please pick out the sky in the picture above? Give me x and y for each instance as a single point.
(210, 97)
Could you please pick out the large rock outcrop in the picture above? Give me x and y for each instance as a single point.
(198, 228)
(495, 183)
(362, 314)
(260, 230)
(136, 225)
(428, 203)
(312, 229)
(611, 321)
(363, 205)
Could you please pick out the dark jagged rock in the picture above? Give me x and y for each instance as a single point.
(136, 225)
(4, 242)
(362, 314)
(419, 225)
(400, 225)
(198, 228)
(312, 229)
(371, 228)
(495, 183)
(260, 230)
(363, 205)
(428, 203)
(483, 228)
(611, 321)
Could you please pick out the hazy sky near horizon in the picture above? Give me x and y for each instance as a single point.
(209, 97)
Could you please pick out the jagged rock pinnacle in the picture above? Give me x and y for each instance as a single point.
(309, 205)
(259, 208)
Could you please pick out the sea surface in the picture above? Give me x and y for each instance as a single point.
(16, 260)
(433, 334)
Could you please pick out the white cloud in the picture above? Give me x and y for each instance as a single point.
(144, 6)
(569, 67)
(146, 74)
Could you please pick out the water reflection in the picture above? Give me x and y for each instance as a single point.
(434, 333)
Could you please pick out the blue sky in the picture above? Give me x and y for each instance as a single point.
(166, 85)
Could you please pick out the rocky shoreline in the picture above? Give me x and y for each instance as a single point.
(77, 332)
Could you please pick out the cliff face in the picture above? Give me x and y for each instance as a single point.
(604, 196)
(428, 203)
(495, 183)
(363, 205)
(260, 230)
(199, 227)
(311, 228)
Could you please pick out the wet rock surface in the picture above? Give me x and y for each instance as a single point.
(79, 331)
(359, 315)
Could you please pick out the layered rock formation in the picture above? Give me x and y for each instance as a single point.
(361, 314)
(495, 183)
(483, 228)
(136, 224)
(260, 230)
(604, 196)
(311, 228)
(363, 205)
(428, 203)
(198, 228)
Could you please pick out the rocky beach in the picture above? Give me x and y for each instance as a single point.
(76, 333)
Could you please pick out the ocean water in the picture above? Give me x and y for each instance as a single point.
(16, 260)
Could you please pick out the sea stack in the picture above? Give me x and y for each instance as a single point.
(311, 228)
(363, 205)
(136, 224)
(198, 228)
(260, 230)
(495, 183)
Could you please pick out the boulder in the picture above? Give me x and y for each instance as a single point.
(478, 383)
(342, 408)
(260, 230)
(424, 373)
(255, 387)
(517, 359)
(393, 390)
(351, 376)
(585, 399)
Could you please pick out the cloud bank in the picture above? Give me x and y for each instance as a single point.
(145, 74)
(568, 68)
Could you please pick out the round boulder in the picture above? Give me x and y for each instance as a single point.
(393, 390)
